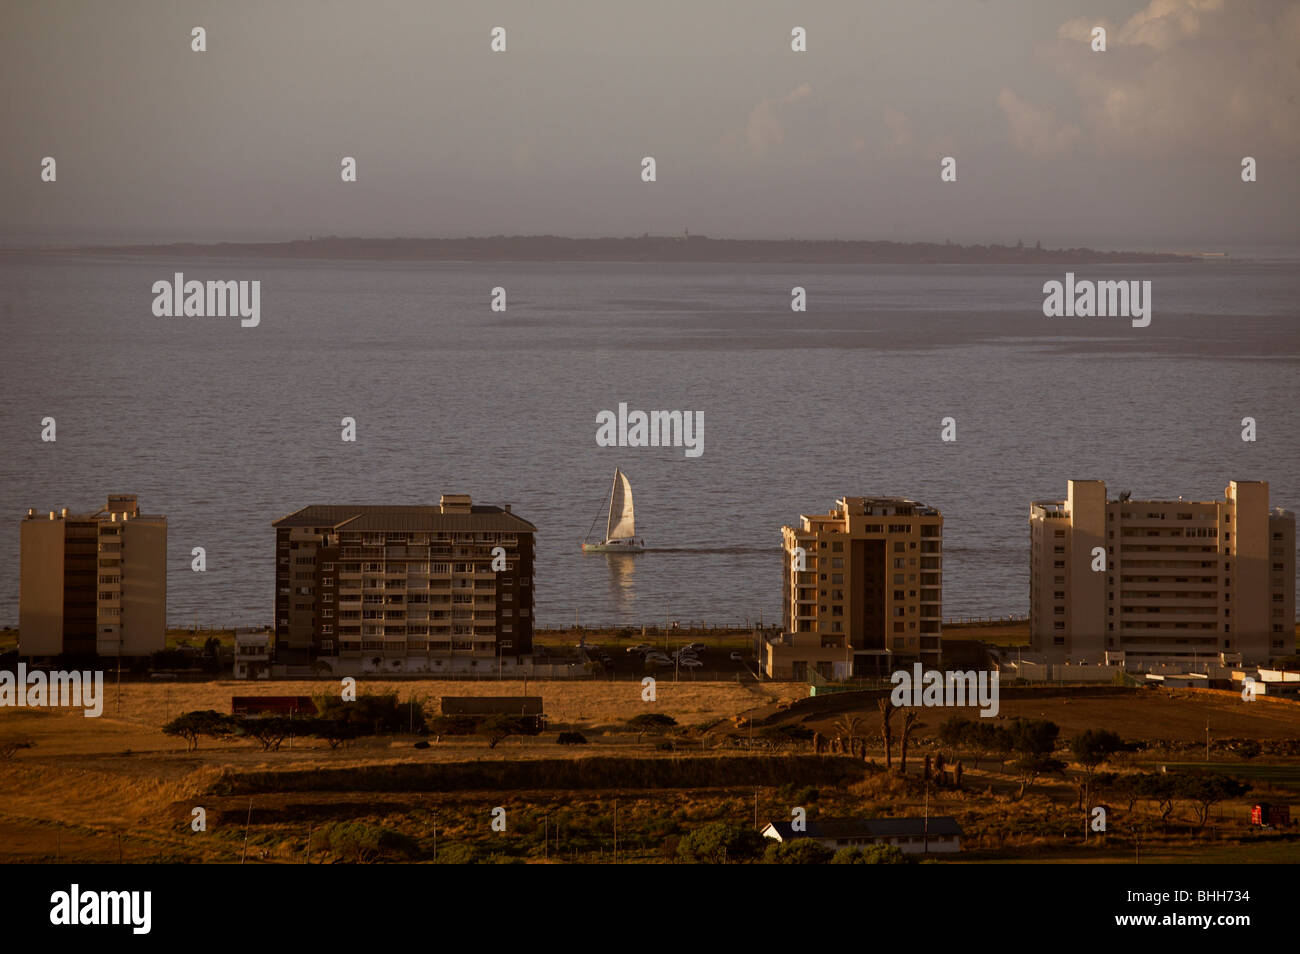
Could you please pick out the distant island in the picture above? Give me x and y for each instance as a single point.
(684, 249)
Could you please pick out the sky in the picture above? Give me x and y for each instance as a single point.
(1139, 146)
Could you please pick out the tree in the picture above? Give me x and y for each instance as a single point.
(1034, 736)
(190, 725)
(849, 727)
(869, 855)
(886, 708)
(953, 733)
(1035, 740)
(719, 842)
(800, 851)
(1206, 789)
(654, 723)
(499, 727)
(989, 740)
(1091, 748)
(268, 730)
(1030, 767)
(333, 731)
(911, 722)
(1161, 788)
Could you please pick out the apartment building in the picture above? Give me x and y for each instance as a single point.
(1184, 581)
(413, 588)
(93, 583)
(862, 590)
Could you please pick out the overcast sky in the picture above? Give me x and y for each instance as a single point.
(1137, 146)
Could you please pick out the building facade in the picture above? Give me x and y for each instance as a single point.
(398, 588)
(862, 590)
(1183, 581)
(93, 583)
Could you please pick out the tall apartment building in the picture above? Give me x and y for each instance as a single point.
(1185, 581)
(862, 590)
(411, 586)
(94, 582)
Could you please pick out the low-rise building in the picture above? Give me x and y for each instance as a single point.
(252, 654)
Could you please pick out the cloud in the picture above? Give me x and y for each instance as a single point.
(1035, 130)
(901, 136)
(1179, 78)
(765, 128)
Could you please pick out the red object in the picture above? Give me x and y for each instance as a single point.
(1266, 814)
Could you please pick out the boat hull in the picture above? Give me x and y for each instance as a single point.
(614, 546)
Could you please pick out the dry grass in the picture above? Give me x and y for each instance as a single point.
(586, 703)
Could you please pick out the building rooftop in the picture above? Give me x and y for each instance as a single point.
(122, 506)
(381, 517)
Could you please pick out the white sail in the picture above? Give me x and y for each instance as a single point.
(622, 524)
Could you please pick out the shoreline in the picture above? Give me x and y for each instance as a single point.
(630, 251)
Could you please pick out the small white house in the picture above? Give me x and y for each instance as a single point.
(252, 654)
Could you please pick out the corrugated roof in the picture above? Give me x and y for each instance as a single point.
(400, 519)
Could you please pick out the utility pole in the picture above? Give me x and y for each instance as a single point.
(247, 822)
(1207, 740)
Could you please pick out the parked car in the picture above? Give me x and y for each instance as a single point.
(737, 657)
(690, 663)
(697, 647)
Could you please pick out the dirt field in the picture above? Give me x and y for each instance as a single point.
(90, 789)
(1174, 715)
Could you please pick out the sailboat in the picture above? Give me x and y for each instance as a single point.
(620, 529)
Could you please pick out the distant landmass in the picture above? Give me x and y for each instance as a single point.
(685, 249)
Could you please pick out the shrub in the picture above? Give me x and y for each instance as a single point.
(458, 854)
(453, 725)
(801, 851)
(572, 738)
(720, 842)
(359, 842)
(655, 722)
(869, 855)
(373, 714)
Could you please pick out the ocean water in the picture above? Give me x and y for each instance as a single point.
(224, 428)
